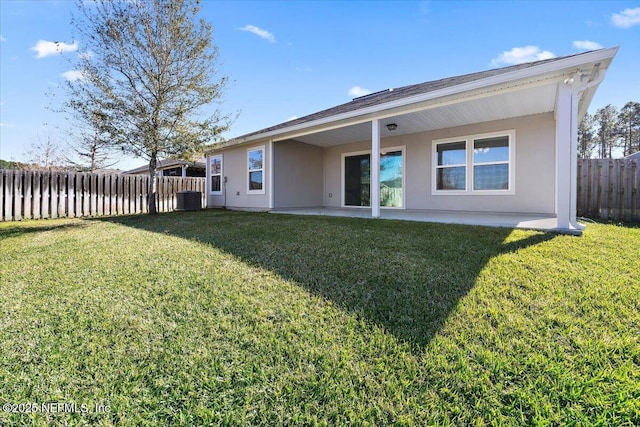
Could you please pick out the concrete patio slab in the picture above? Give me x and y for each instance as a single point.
(544, 222)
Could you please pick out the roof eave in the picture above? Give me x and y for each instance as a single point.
(597, 56)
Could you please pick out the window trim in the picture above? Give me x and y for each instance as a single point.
(248, 173)
(469, 141)
(401, 148)
(211, 174)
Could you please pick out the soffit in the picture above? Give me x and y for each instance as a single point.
(516, 103)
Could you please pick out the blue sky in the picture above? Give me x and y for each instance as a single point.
(292, 58)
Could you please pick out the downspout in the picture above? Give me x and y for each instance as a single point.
(575, 99)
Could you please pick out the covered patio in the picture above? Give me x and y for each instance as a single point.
(509, 220)
(495, 148)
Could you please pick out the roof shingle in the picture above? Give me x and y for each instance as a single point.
(389, 95)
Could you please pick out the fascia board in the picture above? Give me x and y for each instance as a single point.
(519, 75)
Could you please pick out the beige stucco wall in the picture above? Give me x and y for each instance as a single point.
(298, 181)
(534, 168)
(309, 176)
(234, 167)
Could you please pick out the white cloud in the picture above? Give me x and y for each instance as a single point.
(73, 75)
(519, 55)
(586, 45)
(357, 91)
(46, 48)
(259, 32)
(627, 18)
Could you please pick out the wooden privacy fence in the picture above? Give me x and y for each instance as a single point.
(35, 194)
(609, 189)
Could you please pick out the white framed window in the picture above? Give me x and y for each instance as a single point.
(475, 164)
(255, 170)
(215, 179)
(451, 166)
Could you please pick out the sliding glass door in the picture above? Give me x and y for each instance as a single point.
(357, 183)
(357, 179)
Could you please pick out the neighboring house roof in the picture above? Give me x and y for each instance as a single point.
(539, 76)
(634, 156)
(167, 164)
(108, 171)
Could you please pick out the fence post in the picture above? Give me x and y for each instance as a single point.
(17, 195)
(164, 194)
(2, 172)
(144, 183)
(583, 187)
(627, 185)
(125, 194)
(37, 195)
(138, 193)
(62, 200)
(615, 190)
(8, 192)
(46, 197)
(53, 194)
(100, 189)
(93, 191)
(635, 202)
(26, 202)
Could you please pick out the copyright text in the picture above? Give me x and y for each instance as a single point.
(55, 408)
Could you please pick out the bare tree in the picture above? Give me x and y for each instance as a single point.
(89, 145)
(149, 69)
(43, 154)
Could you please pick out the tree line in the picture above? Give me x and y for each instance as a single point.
(77, 155)
(610, 132)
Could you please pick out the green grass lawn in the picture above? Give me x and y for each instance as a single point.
(213, 317)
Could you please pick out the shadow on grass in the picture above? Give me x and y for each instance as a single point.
(22, 228)
(406, 277)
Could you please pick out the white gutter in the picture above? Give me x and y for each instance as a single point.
(567, 63)
(575, 99)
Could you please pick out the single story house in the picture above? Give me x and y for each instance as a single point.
(634, 156)
(496, 147)
(173, 167)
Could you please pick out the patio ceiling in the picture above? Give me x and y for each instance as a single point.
(443, 114)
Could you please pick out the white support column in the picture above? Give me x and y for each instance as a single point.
(563, 155)
(573, 200)
(575, 98)
(375, 169)
(184, 171)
